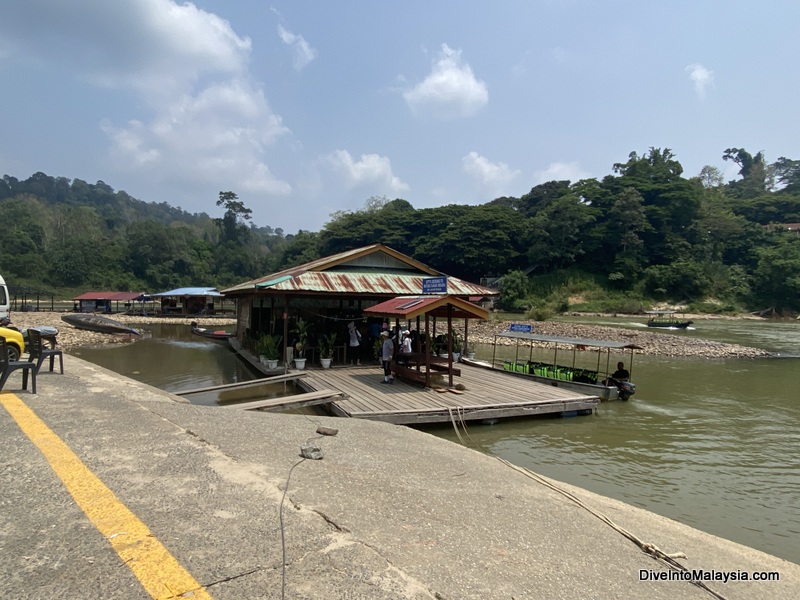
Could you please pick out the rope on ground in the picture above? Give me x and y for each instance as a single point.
(306, 453)
(283, 535)
(650, 549)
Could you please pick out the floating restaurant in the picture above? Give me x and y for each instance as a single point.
(372, 289)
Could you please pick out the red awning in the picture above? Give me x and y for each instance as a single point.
(410, 307)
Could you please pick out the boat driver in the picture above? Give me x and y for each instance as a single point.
(618, 376)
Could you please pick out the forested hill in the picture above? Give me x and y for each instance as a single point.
(116, 208)
(644, 233)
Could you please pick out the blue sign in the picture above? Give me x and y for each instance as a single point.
(521, 328)
(434, 285)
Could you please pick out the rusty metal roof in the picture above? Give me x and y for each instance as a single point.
(410, 307)
(118, 296)
(375, 269)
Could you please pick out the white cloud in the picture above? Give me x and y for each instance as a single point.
(493, 177)
(203, 120)
(216, 135)
(155, 47)
(302, 52)
(450, 90)
(371, 171)
(560, 171)
(701, 77)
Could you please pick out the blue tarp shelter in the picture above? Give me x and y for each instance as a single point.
(189, 301)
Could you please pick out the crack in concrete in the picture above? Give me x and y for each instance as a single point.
(330, 521)
(238, 576)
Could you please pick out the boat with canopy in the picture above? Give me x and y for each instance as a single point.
(580, 364)
(666, 319)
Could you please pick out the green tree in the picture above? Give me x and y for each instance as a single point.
(626, 223)
(514, 291)
(671, 202)
(756, 176)
(484, 240)
(555, 235)
(300, 249)
(787, 173)
(777, 276)
(22, 238)
(232, 223)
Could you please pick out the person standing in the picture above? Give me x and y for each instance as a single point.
(387, 352)
(405, 348)
(355, 343)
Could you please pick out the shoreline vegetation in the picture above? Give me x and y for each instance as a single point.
(654, 343)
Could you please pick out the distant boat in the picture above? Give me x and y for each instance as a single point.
(666, 319)
(218, 334)
(98, 324)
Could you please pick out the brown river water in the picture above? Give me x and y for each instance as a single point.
(712, 443)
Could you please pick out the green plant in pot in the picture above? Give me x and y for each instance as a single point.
(270, 347)
(326, 345)
(458, 342)
(302, 328)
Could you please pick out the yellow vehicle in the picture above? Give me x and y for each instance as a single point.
(15, 343)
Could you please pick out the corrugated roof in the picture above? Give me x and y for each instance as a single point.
(519, 335)
(118, 296)
(375, 269)
(190, 291)
(411, 307)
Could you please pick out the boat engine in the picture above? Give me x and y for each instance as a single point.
(626, 389)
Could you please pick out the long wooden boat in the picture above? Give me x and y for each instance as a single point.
(98, 324)
(666, 319)
(570, 373)
(218, 334)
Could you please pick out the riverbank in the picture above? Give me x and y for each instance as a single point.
(653, 343)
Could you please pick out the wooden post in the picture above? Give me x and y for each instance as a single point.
(428, 347)
(450, 345)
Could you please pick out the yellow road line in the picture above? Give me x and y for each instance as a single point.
(158, 571)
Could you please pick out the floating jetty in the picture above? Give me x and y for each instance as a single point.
(357, 392)
(487, 395)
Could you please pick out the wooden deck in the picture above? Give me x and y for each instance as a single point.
(487, 395)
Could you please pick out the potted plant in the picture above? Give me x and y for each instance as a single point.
(301, 328)
(326, 344)
(270, 349)
(457, 344)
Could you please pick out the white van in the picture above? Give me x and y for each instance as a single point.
(5, 302)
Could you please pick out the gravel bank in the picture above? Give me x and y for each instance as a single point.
(654, 343)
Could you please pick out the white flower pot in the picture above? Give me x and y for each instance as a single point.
(272, 363)
(326, 362)
(299, 363)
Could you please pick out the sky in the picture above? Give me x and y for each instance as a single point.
(307, 108)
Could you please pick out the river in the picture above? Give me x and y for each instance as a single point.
(710, 443)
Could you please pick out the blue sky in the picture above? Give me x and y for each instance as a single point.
(307, 108)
